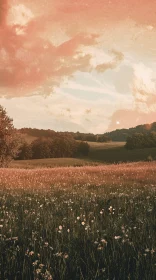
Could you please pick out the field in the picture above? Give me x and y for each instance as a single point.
(78, 223)
(114, 152)
(52, 162)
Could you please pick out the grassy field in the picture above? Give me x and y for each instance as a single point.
(105, 146)
(52, 162)
(115, 152)
(70, 223)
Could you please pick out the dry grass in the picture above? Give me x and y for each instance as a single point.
(142, 172)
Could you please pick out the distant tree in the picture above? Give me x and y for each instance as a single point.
(64, 147)
(102, 138)
(9, 139)
(141, 140)
(83, 149)
(25, 151)
(41, 149)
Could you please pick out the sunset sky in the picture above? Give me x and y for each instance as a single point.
(78, 65)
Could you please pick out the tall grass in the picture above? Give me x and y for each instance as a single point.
(78, 223)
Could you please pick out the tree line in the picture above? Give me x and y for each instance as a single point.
(141, 140)
(56, 147)
(123, 134)
(89, 137)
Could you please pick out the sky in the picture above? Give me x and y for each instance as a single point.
(78, 65)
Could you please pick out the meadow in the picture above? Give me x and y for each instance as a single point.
(115, 152)
(67, 223)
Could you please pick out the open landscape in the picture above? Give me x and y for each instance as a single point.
(77, 140)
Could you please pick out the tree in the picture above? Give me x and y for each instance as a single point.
(9, 139)
(83, 149)
(41, 149)
(25, 151)
(141, 140)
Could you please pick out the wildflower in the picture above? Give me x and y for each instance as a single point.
(38, 271)
(60, 227)
(78, 218)
(87, 227)
(99, 248)
(65, 256)
(68, 230)
(83, 223)
(110, 209)
(147, 250)
(117, 237)
(35, 263)
(41, 265)
(59, 254)
(103, 241)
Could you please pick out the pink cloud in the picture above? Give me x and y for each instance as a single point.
(118, 58)
(28, 60)
(3, 11)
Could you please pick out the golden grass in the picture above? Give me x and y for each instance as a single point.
(142, 172)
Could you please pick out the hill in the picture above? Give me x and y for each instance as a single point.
(122, 134)
(119, 135)
(115, 152)
(31, 134)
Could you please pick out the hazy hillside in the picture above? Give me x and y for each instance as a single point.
(122, 134)
(31, 134)
(116, 135)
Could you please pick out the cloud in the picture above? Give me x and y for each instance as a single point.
(143, 109)
(53, 113)
(3, 12)
(27, 61)
(32, 57)
(19, 15)
(119, 57)
(144, 88)
(88, 111)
